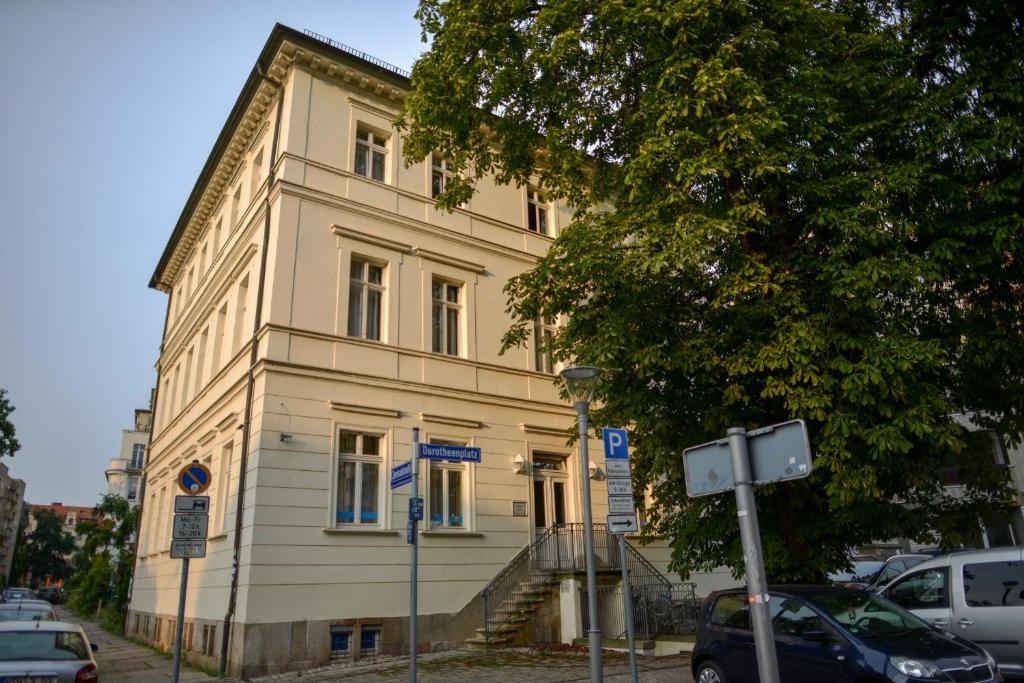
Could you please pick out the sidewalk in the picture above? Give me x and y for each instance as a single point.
(121, 661)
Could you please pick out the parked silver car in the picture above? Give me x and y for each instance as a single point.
(45, 652)
(27, 610)
(978, 595)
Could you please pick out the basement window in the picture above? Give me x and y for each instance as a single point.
(369, 641)
(341, 642)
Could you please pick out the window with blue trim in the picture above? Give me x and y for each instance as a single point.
(341, 641)
(369, 640)
(447, 492)
(359, 462)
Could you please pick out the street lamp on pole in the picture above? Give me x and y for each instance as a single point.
(580, 382)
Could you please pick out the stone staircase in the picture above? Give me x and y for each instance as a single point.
(507, 622)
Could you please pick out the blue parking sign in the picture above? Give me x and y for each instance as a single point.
(616, 443)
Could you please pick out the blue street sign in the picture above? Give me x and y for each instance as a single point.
(416, 509)
(616, 443)
(437, 451)
(401, 474)
(410, 532)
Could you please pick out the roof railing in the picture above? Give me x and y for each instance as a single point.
(358, 53)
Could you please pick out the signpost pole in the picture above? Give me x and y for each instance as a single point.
(179, 625)
(413, 556)
(750, 535)
(627, 605)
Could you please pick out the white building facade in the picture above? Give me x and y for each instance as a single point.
(124, 475)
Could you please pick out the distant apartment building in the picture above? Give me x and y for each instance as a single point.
(319, 309)
(12, 494)
(124, 476)
(69, 516)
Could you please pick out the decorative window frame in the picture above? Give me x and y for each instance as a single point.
(384, 512)
(469, 499)
(435, 266)
(380, 251)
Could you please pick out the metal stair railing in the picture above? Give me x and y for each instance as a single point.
(500, 593)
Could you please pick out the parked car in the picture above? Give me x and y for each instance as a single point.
(51, 651)
(835, 634)
(977, 594)
(27, 610)
(893, 567)
(18, 594)
(51, 594)
(862, 572)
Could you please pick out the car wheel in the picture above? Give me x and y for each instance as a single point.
(710, 672)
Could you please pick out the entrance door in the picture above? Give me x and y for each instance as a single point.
(550, 491)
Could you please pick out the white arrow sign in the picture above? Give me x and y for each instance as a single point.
(618, 524)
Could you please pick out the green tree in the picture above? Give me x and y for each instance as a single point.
(8, 444)
(47, 547)
(785, 209)
(103, 563)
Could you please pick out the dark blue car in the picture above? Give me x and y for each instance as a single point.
(832, 634)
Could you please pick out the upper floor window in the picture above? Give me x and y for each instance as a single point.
(359, 463)
(445, 308)
(133, 487)
(138, 456)
(543, 331)
(371, 153)
(440, 172)
(365, 298)
(536, 211)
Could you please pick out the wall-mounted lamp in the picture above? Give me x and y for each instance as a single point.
(595, 472)
(286, 437)
(519, 465)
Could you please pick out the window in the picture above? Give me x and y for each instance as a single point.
(236, 199)
(341, 642)
(202, 261)
(731, 611)
(191, 280)
(218, 340)
(133, 487)
(543, 331)
(216, 235)
(186, 396)
(440, 172)
(371, 151)
(791, 617)
(209, 638)
(257, 170)
(223, 486)
(365, 295)
(186, 636)
(201, 361)
(369, 640)
(444, 318)
(359, 461)
(994, 584)
(240, 308)
(536, 211)
(138, 456)
(925, 589)
(446, 491)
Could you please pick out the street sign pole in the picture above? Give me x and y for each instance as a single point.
(627, 605)
(750, 536)
(180, 623)
(413, 555)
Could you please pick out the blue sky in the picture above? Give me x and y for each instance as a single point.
(109, 110)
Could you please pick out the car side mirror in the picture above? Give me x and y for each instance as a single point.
(95, 647)
(816, 636)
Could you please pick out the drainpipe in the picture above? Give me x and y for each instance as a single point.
(141, 494)
(246, 423)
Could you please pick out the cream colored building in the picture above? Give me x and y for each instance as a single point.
(320, 308)
(124, 475)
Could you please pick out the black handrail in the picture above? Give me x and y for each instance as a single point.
(357, 53)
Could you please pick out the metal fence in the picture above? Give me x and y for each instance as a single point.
(657, 610)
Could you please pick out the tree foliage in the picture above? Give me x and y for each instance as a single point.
(44, 550)
(8, 444)
(103, 563)
(784, 209)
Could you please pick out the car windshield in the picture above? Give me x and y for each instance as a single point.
(16, 594)
(863, 572)
(866, 615)
(21, 646)
(24, 614)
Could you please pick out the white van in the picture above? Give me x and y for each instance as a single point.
(978, 595)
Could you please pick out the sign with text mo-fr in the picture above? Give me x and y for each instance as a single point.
(438, 451)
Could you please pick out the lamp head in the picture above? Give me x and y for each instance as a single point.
(580, 381)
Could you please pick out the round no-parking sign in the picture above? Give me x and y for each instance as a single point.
(194, 478)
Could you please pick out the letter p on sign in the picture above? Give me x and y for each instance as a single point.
(616, 443)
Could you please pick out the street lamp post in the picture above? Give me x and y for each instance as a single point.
(580, 382)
